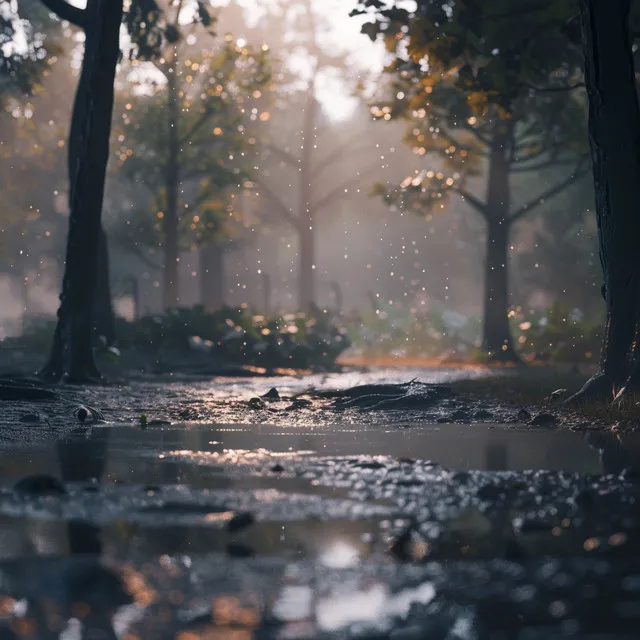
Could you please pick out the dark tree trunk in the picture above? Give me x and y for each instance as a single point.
(72, 352)
(614, 134)
(104, 319)
(171, 216)
(337, 295)
(212, 277)
(497, 342)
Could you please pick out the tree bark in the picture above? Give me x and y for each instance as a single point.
(104, 323)
(172, 177)
(614, 135)
(72, 352)
(497, 342)
(212, 277)
(306, 277)
(306, 230)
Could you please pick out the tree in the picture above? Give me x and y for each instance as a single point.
(192, 141)
(614, 134)
(481, 86)
(293, 27)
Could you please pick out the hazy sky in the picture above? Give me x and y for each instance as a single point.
(346, 35)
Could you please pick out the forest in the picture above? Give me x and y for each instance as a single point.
(319, 319)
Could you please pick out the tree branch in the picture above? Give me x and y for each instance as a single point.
(282, 209)
(336, 153)
(67, 12)
(289, 158)
(547, 164)
(528, 207)
(475, 203)
(329, 197)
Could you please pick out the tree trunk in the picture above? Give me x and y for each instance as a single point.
(172, 177)
(72, 351)
(306, 277)
(614, 134)
(266, 293)
(306, 230)
(212, 277)
(496, 339)
(104, 324)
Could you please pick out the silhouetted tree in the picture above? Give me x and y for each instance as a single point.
(481, 84)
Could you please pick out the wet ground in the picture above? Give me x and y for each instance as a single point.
(312, 516)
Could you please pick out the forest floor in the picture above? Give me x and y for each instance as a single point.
(460, 505)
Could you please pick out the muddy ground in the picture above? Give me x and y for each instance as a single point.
(276, 508)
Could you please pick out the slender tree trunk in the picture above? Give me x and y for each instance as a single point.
(72, 351)
(306, 230)
(614, 134)
(266, 293)
(104, 318)
(496, 337)
(212, 277)
(171, 216)
(306, 277)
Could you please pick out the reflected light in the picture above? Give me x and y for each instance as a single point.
(340, 555)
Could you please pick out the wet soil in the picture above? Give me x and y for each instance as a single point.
(232, 511)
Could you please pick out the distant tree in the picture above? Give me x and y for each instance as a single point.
(482, 86)
(191, 142)
(293, 28)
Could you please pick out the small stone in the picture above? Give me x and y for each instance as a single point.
(272, 395)
(630, 474)
(442, 420)
(299, 403)
(459, 414)
(39, 485)
(483, 414)
(30, 418)
(523, 415)
(543, 420)
(584, 499)
(82, 414)
(256, 403)
(490, 492)
(236, 550)
(240, 521)
(277, 468)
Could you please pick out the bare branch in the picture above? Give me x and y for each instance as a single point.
(283, 210)
(554, 89)
(67, 12)
(475, 203)
(547, 164)
(337, 152)
(339, 190)
(528, 207)
(284, 155)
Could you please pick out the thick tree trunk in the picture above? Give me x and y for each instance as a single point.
(72, 352)
(614, 133)
(171, 216)
(104, 324)
(212, 277)
(497, 342)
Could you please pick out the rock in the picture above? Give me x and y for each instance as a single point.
(256, 403)
(483, 414)
(559, 393)
(544, 420)
(490, 492)
(374, 464)
(299, 403)
(39, 485)
(272, 395)
(523, 415)
(459, 415)
(159, 422)
(630, 474)
(471, 523)
(82, 413)
(240, 521)
(442, 420)
(277, 468)
(584, 499)
(410, 546)
(189, 414)
(236, 550)
(30, 418)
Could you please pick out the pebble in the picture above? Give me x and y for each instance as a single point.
(39, 485)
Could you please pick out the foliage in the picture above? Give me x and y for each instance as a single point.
(559, 334)
(297, 341)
